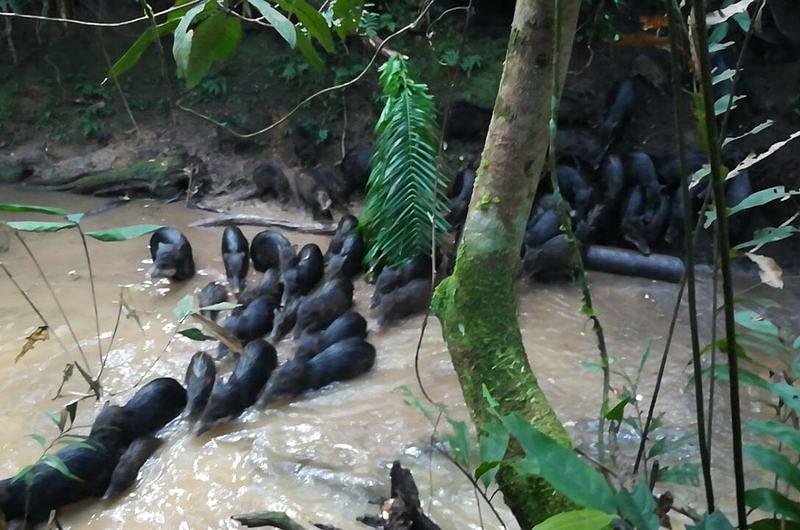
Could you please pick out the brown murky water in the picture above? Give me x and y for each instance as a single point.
(324, 457)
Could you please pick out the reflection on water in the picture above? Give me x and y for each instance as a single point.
(324, 457)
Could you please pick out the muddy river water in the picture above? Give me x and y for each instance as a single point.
(323, 457)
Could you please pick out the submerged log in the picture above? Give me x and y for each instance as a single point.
(257, 220)
(404, 508)
(631, 263)
(271, 519)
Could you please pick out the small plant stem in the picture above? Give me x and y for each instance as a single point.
(688, 251)
(94, 294)
(162, 58)
(566, 226)
(718, 183)
(53, 294)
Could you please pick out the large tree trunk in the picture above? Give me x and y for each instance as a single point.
(477, 304)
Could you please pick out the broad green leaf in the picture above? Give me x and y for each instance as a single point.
(638, 507)
(278, 20)
(719, 46)
(123, 233)
(662, 446)
(559, 466)
(31, 208)
(459, 442)
(75, 217)
(721, 105)
(347, 16)
(185, 307)
(576, 520)
(723, 76)
(772, 501)
(755, 130)
(39, 439)
(308, 51)
(38, 226)
(753, 321)
(311, 20)
(768, 235)
(221, 334)
(745, 376)
(484, 468)
(493, 444)
(789, 394)
(754, 200)
(686, 474)
(214, 40)
(618, 410)
(222, 306)
(59, 465)
(713, 521)
(718, 16)
(137, 49)
(774, 462)
(773, 524)
(195, 334)
(182, 45)
(796, 343)
(788, 436)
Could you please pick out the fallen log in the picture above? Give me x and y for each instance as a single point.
(631, 263)
(257, 220)
(271, 519)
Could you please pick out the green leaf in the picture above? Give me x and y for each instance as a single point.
(59, 465)
(754, 200)
(38, 438)
(618, 410)
(482, 471)
(459, 442)
(493, 444)
(796, 363)
(38, 226)
(753, 321)
(31, 208)
(308, 52)
(182, 45)
(723, 76)
(215, 39)
(137, 49)
(638, 507)
(576, 520)
(662, 446)
(789, 394)
(772, 501)
(185, 307)
(222, 306)
(347, 16)
(773, 524)
(311, 20)
(278, 20)
(559, 466)
(195, 334)
(22, 473)
(788, 436)
(75, 217)
(774, 462)
(123, 233)
(721, 105)
(713, 521)
(768, 235)
(745, 376)
(755, 130)
(684, 474)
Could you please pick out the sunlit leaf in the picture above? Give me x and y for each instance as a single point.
(38, 438)
(753, 321)
(459, 442)
(75, 217)
(214, 40)
(222, 306)
(38, 226)
(772, 501)
(723, 76)
(31, 208)
(721, 105)
(493, 444)
(789, 394)
(768, 235)
(755, 130)
(182, 44)
(311, 20)
(347, 16)
(715, 520)
(220, 333)
(752, 159)
(718, 16)
(576, 520)
(278, 20)
(684, 474)
(308, 51)
(617, 411)
(123, 233)
(753, 200)
(40, 334)
(185, 307)
(638, 507)
(137, 49)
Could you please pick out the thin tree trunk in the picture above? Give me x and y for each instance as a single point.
(477, 304)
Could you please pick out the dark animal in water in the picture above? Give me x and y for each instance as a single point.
(131, 461)
(323, 307)
(154, 405)
(212, 294)
(235, 257)
(356, 168)
(269, 286)
(286, 318)
(267, 250)
(347, 263)
(413, 297)
(459, 205)
(172, 255)
(310, 194)
(576, 148)
(467, 121)
(200, 376)
(623, 100)
(331, 180)
(390, 278)
(350, 324)
(642, 171)
(347, 225)
(307, 272)
(634, 220)
(256, 320)
(542, 227)
(575, 189)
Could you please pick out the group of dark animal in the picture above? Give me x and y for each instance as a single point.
(319, 188)
(307, 294)
(614, 199)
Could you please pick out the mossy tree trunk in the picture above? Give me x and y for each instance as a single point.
(477, 304)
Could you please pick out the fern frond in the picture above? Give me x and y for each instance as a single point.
(406, 191)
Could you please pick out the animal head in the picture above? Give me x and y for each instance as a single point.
(164, 266)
